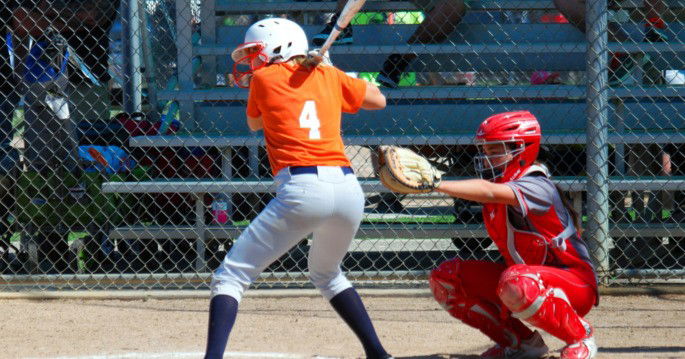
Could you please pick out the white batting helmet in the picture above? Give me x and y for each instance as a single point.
(277, 38)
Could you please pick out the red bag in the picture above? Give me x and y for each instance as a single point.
(177, 208)
(137, 124)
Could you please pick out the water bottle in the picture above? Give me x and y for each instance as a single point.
(219, 211)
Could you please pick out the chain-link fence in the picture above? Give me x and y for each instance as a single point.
(127, 163)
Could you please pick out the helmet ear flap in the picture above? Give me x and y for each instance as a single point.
(246, 66)
(282, 38)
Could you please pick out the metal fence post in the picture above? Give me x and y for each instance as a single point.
(184, 49)
(597, 135)
(150, 71)
(133, 82)
(208, 30)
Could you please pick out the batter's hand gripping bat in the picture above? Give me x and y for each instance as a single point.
(352, 7)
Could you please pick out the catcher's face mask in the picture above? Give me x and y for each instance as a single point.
(252, 59)
(494, 158)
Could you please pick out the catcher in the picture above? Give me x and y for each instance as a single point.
(547, 278)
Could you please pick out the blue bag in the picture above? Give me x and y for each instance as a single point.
(105, 159)
(39, 68)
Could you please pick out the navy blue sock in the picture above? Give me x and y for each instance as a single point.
(350, 307)
(222, 312)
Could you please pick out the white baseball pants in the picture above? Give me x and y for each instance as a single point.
(329, 204)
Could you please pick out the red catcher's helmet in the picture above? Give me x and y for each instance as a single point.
(519, 133)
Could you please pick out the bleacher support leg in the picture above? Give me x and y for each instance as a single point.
(227, 174)
(200, 262)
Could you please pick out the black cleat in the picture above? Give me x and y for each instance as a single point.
(393, 68)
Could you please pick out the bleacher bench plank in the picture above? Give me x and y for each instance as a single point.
(472, 47)
(465, 34)
(569, 138)
(412, 118)
(248, 186)
(418, 233)
(412, 110)
(477, 57)
(437, 93)
(224, 7)
(382, 34)
(365, 231)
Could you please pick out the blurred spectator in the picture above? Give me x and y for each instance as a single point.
(85, 25)
(345, 36)
(64, 74)
(442, 17)
(544, 78)
(8, 81)
(643, 159)
(448, 78)
(673, 164)
(622, 65)
(83, 28)
(9, 157)
(547, 77)
(649, 160)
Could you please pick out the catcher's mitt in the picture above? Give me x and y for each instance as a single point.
(404, 171)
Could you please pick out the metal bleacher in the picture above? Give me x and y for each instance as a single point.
(214, 116)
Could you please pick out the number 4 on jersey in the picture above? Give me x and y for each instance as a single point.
(309, 119)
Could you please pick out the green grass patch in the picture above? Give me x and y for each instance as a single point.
(16, 237)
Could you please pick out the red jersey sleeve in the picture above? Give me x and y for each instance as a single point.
(353, 92)
(253, 97)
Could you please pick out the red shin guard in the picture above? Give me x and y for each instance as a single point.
(525, 294)
(482, 315)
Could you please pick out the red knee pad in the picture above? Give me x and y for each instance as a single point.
(524, 293)
(445, 284)
(518, 288)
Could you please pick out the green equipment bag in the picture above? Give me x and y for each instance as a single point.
(72, 200)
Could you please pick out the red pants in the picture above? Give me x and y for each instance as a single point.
(494, 298)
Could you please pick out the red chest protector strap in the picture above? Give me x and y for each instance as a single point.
(529, 247)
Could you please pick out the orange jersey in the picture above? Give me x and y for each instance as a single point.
(301, 111)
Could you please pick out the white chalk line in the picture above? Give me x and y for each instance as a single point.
(190, 355)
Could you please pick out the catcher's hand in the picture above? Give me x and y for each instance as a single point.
(404, 171)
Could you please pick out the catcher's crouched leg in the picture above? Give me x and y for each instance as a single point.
(523, 291)
(446, 285)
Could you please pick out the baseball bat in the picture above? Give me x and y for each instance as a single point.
(97, 156)
(351, 8)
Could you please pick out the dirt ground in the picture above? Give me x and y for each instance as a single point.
(304, 327)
